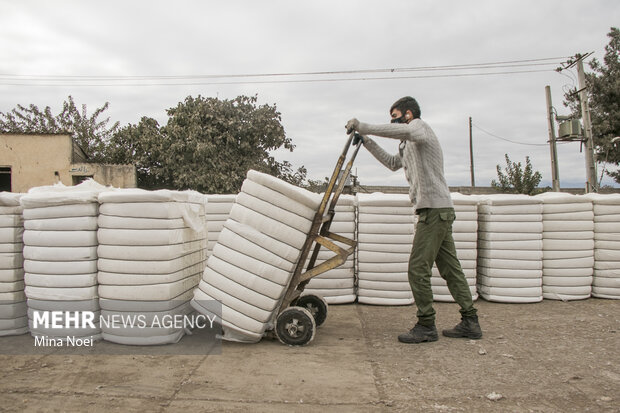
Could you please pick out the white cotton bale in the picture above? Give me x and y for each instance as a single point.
(387, 267)
(384, 285)
(271, 227)
(67, 254)
(607, 293)
(13, 296)
(150, 252)
(515, 254)
(11, 247)
(60, 267)
(509, 272)
(11, 274)
(606, 282)
(147, 237)
(273, 245)
(153, 292)
(109, 278)
(403, 248)
(364, 238)
(511, 227)
(335, 283)
(242, 277)
(250, 264)
(602, 254)
(61, 294)
(149, 267)
(61, 280)
(11, 260)
(552, 292)
(364, 294)
(114, 222)
(585, 262)
(9, 287)
(62, 224)
(566, 281)
(232, 321)
(11, 221)
(255, 315)
(11, 235)
(510, 282)
(60, 238)
(61, 211)
(13, 310)
(151, 210)
(507, 236)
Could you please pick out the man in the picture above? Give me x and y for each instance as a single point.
(421, 158)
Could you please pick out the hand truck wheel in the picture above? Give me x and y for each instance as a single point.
(295, 326)
(316, 305)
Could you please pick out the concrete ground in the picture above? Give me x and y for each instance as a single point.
(547, 357)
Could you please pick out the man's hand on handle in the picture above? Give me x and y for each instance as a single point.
(352, 126)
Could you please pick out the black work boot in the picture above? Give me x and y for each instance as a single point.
(419, 334)
(468, 328)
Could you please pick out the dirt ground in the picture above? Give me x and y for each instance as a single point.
(547, 357)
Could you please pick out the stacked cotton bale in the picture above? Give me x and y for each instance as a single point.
(337, 286)
(217, 210)
(606, 282)
(152, 251)
(568, 246)
(510, 252)
(385, 238)
(60, 257)
(465, 234)
(253, 261)
(13, 310)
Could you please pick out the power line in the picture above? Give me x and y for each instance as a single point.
(248, 82)
(35, 80)
(508, 140)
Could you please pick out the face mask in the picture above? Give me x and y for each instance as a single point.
(399, 120)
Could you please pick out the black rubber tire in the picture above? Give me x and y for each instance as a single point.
(295, 326)
(316, 305)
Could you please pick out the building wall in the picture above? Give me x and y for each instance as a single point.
(37, 160)
(120, 176)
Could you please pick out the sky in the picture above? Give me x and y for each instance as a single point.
(144, 57)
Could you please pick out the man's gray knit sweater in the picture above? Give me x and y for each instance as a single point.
(419, 155)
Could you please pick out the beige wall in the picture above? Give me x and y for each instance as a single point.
(120, 176)
(34, 159)
(37, 160)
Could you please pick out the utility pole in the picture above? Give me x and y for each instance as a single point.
(591, 184)
(471, 156)
(555, 173)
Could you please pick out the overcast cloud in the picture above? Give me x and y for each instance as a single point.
(180, 38)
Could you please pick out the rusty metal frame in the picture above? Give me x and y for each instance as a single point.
(319, 234)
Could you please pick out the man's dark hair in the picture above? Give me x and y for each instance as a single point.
(405, 104)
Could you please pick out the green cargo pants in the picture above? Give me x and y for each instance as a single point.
(433, 243)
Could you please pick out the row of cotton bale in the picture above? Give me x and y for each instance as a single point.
(152, 252)
(337, 286)
(13, 310)
(606, 281)
(252, 263)
(60, 256)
